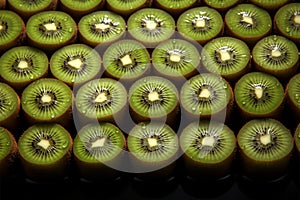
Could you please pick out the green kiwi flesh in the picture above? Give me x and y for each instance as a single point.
(75, 64)
(22, 65)
(79, 8)
(175, 7)
(221, 5)
(293, 96)
(126, 8)
(270, 5)
(200, 24)
(297, 139)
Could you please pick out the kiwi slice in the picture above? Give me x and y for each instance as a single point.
(271, 6)
(293, 96)
(175, 7)
(101, 27)
(258, 94)
(51, 30)
(96, 147)
(19, 66)
(153, 98)
(151, 26)
(126, 60)
(47, 100)
(297, 139)
(221, 5)
(75, 64)
(12, 30)
(9, 106)
(227, 56)
(79, 8)
(45, 151)
(176, 59)
(8, 152)
(208, 149)
(125, 7)
(287, 21)
(101, 99)
(266, 147)
(154, 148)
(276, 55)
(206, 96)
(200, 24)
(27, 8)
(248, 22)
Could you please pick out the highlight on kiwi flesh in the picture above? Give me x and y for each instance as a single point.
(265, 148)
(20, 66)
(27, 8)
(102, 99)
(176, 59)
(293, 97)
(206, 96)
(200, 24)
(154, 98)
(9, 106)
(12, 30)
(78, 9)
(208, 149)
(51, 30)
(75, 64)
(226, 56)
(126, 60)
(47, 100)
(287, 21)
(101, 27)
(153, 148)
(45, 152)
(259, 95)
(97, 149)
(151, 26)
(221, 5)
(8, 152)
(270, 6)
(126, 8)
(276, 55)
(175, 7)
(248, 22)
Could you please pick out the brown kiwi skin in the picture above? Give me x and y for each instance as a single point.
(11, 158)
(2, 4)
(26, 15)
(175, 12)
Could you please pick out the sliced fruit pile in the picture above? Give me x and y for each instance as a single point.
(93, 85)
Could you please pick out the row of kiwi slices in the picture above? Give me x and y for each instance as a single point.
(264, 147)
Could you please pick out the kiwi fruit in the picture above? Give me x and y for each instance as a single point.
(265, 148)
(20, 66)
(176, 59)
(79, 8)
(292, 91)
(9, 107)
(226, 56)
(12, 30)
(2, 4)
(297, 139)
(200, 24)
(8, 152)
(47, 100)
(154, 98)
(208, 149)
(206, 96)
(75, 64)
(270, 6)
(248, 22)
(175, 7)
(287, 22)
(276, 55)
(51, 30)
(221, 5)
(102, 99)
(45, 152)
(27, 8)
(126, 60)
(259, 95)
(153, 148)
(126, 8)
(101, 27)
(96, 147)
(151, 26)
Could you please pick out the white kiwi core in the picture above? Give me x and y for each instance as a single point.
(208, 141)
(23, 64)
(153, 96)
(126, 60)
(205, 93)
(50, 27)
(258, 91)
(76, 63)
(45, 144)
(101, 98)
(46, 98)
(152, 142)
(99, 143)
